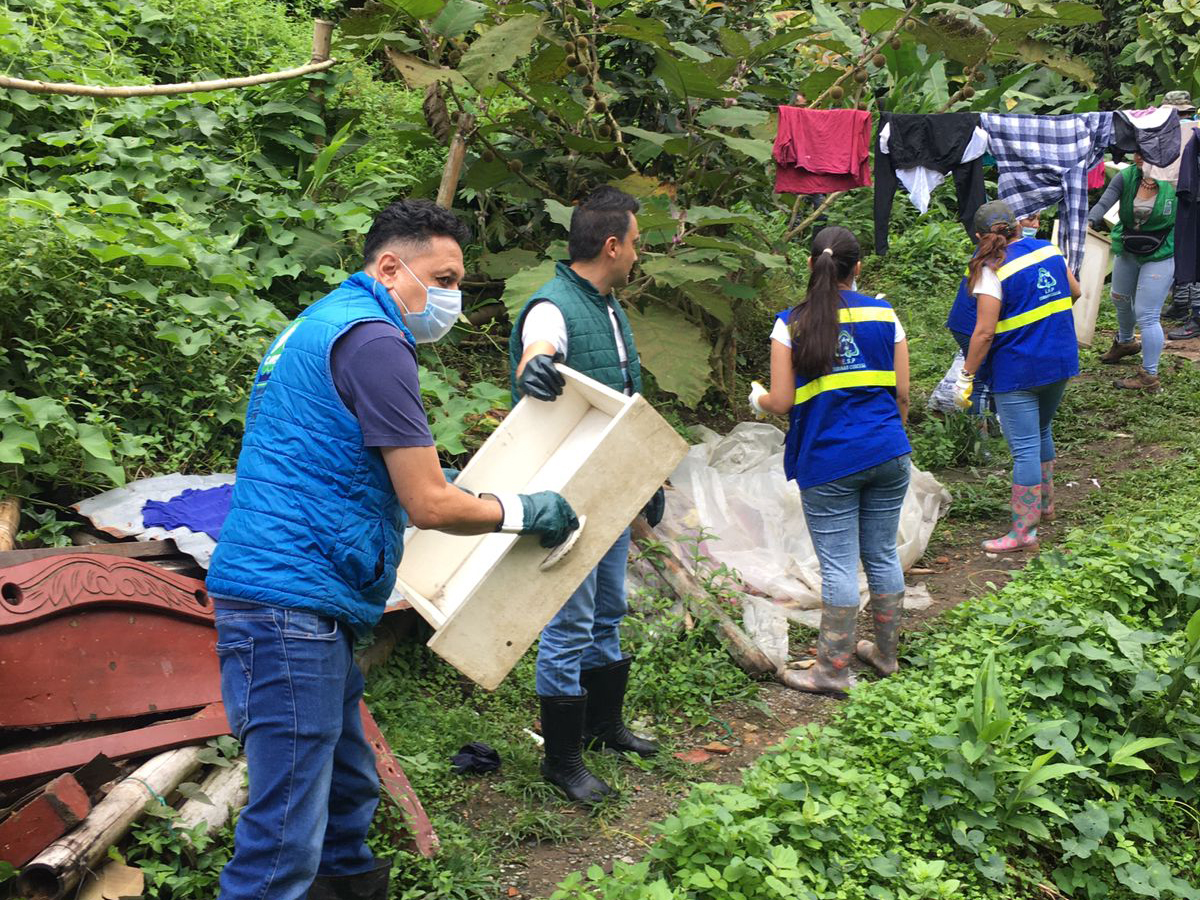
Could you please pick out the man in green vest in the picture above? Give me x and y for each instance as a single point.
(575, 318)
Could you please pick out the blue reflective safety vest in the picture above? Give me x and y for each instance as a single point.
(962, 321)
(314, 523)
(848, 420)
(1035, 336)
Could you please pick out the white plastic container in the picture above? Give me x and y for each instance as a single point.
(489, 596)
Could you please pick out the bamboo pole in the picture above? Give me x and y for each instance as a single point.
(226, 792)
(59, 867)
(10, 519)
(743, 650)
(454, 162)
(155, 90)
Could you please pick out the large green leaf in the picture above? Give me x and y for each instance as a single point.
(684, 78)
(674, 272)
(498, 50)
(827, 18)
(418, 73)
(14, 440)
(560, 213)
(418, 9)
(674, 350)
(519, 288)
(648, 31)
(458, 17)
(755, 149)
(732, 117)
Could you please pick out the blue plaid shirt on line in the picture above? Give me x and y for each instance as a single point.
(1044, 160)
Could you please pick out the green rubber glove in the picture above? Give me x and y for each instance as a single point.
(548, 514)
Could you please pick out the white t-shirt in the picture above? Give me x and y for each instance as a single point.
(780, 333)
(988, 283)
(545, 322)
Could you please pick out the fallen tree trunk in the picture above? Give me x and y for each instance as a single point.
(226, 792)
(59, 867)
(743, 650)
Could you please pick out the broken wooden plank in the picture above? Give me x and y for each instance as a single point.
(33, 826)
(210, 722)
(125, 549)
(61, 865)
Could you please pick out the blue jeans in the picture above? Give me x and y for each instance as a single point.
(1138, 292)
(585, 633)
(1026, 417)
(856, 517)
(291, 690)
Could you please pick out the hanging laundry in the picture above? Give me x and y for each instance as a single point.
(1044, 160)
(1187, 216)
(1170, 173)
(918, 151)
(1154, 133)
(1096, 176)
(819, 151)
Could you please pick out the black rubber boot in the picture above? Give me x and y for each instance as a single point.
(369, 885)
(605, 727)
(562, 728)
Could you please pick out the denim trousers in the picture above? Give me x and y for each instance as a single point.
(585, 633)
(1138, 292)
(856, 518)
(1026, 418)
(291, 690)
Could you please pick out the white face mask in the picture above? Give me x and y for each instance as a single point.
(1028, 231)
(443, 306)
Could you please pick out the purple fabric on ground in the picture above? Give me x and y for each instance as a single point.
(198, 510)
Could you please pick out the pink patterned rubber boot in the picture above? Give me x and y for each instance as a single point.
(1026, 513)
(835, 646)
(1048, 491)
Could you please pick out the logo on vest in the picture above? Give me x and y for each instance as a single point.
(1046, 283)
(849, 356)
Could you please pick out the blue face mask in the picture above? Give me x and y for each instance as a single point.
(443, 306)
(1028, 231)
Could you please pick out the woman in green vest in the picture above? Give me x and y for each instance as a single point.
(1143, 245)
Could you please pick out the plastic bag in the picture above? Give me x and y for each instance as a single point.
(731, 498)
(943, 397)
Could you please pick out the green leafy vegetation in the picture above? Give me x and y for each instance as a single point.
(1068, 757)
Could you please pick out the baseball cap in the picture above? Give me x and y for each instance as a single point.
(994, 212)
(1180, 100)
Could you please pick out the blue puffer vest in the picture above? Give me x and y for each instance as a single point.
(314, 522)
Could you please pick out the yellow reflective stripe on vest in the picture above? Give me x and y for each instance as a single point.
(1034, 315)
(866, 314)
(841, 380)
(1029, 259)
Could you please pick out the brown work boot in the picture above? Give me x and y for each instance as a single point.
(1140, 381)
(1118, 351)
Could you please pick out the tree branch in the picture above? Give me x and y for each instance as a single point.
(154, 90)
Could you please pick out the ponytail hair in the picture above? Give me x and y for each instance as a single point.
(993, 246)
(813, 324)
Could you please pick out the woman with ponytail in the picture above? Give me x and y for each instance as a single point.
(839, 368)
(1025, 332)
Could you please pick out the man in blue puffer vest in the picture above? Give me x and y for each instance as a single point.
(337, 457)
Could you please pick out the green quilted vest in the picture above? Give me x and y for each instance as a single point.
(591, 348)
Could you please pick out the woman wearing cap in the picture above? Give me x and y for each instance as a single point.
(839, 368)
(1025, 332)
(1143, 246)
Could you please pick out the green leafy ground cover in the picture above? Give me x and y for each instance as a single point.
(1068, 758)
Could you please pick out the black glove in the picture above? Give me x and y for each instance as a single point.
(540, 380)
(653, 511)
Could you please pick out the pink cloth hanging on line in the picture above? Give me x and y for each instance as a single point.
(1096, 176)
(819, 151)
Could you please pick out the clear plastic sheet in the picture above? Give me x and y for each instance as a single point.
(732, 503)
